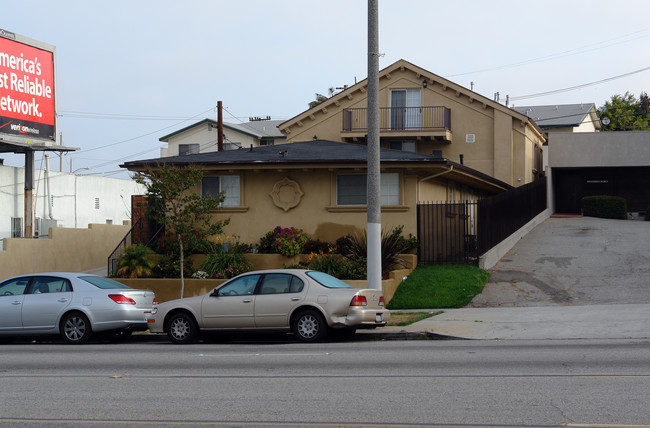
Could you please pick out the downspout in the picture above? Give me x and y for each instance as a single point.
(47, 184)
(431, 177)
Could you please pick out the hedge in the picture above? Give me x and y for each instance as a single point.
(604, 206)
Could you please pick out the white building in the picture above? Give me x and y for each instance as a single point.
(201, 137)
(63, 200)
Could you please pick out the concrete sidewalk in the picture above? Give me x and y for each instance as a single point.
(630, 321)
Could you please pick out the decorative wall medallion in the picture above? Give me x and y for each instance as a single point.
(286, 194)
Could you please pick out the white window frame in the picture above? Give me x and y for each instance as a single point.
(390, 189)
(229, 184)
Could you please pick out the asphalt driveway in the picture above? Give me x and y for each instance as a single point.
(573, 261)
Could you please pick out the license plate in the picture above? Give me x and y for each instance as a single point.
(378, 318)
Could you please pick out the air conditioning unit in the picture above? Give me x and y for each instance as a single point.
(45, 225)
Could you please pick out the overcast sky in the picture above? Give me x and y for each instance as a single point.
(129, 72)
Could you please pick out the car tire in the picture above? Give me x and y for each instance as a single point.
(75, 328)
(309, 326)
(181, 328)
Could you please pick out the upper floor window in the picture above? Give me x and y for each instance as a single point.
(215, 184)
(405, 146)
(351, 189)
(188, 149)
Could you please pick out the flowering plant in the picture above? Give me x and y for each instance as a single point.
(287, 241)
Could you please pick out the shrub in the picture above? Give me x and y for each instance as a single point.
(169, 266)
(228, 265)
(337, 265)
(355, 247)
(286, 241)
(136, 261)
(604, 207)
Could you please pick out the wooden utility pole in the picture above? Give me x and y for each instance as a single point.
(220, 126)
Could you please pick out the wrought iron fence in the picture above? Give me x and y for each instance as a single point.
(501, 215)
(446, 232)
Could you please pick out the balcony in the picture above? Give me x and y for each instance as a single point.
(428, 123)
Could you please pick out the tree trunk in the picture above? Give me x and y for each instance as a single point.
(180, 242)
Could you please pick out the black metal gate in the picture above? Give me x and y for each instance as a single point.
(447, 233)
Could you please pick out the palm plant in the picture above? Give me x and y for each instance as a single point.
(136, 261)
(355, 247)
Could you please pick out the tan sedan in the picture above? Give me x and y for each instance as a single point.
(313, 305)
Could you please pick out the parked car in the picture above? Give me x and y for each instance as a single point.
(311, 304)
(74, 305)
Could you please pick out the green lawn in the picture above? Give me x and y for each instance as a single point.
(432, 286)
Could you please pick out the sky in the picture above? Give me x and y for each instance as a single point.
(130, 72)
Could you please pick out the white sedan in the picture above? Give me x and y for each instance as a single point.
(73, 305)
(311, 304)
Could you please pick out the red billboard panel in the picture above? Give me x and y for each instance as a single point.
(27, 107)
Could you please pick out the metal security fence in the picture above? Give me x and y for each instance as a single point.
(461, 232)
(446, 232)
(500, 216)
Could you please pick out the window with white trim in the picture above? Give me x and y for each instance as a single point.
(352, 189)
(215, 184)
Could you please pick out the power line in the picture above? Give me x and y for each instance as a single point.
(572, 88)
(563, 54)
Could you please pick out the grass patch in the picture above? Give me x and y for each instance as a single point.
(401, 319)
(432, 286)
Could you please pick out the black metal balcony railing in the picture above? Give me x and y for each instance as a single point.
(399, 119)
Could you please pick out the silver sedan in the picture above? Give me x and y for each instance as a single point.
(74, 305)
(313, 305)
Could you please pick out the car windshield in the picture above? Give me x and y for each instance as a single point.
(103, 283)
(327, 280)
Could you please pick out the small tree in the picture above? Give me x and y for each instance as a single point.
(175, 202)
(626, 113)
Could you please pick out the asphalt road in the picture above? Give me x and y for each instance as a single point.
(356, 384)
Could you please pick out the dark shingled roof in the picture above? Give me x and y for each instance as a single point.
(308, 152)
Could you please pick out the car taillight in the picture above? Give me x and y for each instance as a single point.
(155, 301)
(121, 299)
(381, 301)
(359, 301)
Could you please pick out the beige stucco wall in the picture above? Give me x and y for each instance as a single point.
(501, 136)
(316, 213)
(206, 136)
(65, 249)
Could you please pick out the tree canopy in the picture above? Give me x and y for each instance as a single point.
(626, 113)
(174, 201)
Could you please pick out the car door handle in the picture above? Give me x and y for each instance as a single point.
(248, 300)
(16, 303)
(62, 299)
(295, 299)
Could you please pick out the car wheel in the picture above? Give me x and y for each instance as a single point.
(341, 334)
(309, 326)
(75, 328)
(182, 328)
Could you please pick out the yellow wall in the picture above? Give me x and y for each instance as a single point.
(66, 249)
(498, 150)
(317, 213)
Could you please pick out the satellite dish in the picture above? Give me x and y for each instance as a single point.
(605, 121)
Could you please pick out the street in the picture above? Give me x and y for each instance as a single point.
(356, 384)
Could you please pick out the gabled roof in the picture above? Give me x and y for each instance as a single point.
(420, 73)
(309, 154)
(561, 115)
(259, 129)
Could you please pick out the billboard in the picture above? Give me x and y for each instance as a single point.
(27, 104)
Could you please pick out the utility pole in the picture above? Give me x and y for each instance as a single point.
(374, 189)
(220, 126)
